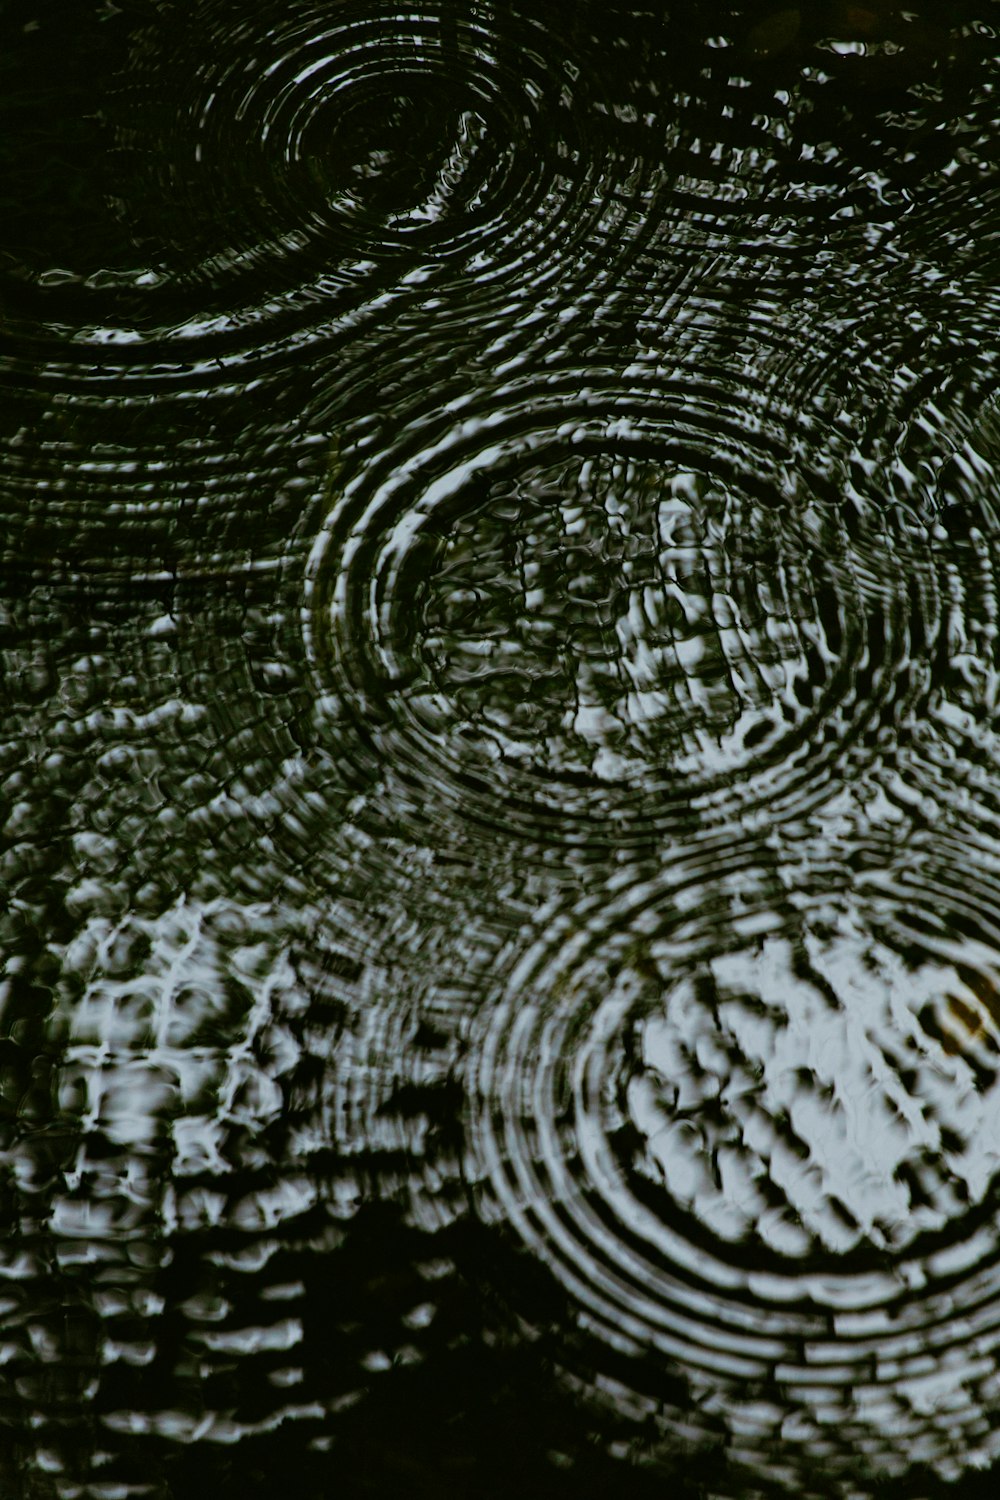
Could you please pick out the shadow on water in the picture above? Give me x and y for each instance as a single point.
(498, 780)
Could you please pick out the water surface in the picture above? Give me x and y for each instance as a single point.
(501, 820)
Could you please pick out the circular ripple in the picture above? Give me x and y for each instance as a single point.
(317, 166)
(645, 603)
(764, 1161)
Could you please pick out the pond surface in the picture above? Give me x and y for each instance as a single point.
(500, 755)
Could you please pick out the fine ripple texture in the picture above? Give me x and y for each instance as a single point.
(345, 159)
(499, 815)
(772, 1167)
(643, 607)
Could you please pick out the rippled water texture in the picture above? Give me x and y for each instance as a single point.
(500, 921)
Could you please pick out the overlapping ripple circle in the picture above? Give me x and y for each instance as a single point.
(643, 369)
(711, 608)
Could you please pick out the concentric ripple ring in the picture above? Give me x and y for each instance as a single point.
(322, 168)
(763, 1160)
(743, 624)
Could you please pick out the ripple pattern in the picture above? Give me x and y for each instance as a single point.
(708, 625)
(771, 1164)
(347, 156)
(498, 636)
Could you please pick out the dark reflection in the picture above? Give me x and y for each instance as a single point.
(500, 824)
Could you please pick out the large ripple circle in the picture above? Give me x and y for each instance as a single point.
(317, 167)
(764, 1162)
(643, 607)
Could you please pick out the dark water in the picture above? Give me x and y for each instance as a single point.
(500, 788)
